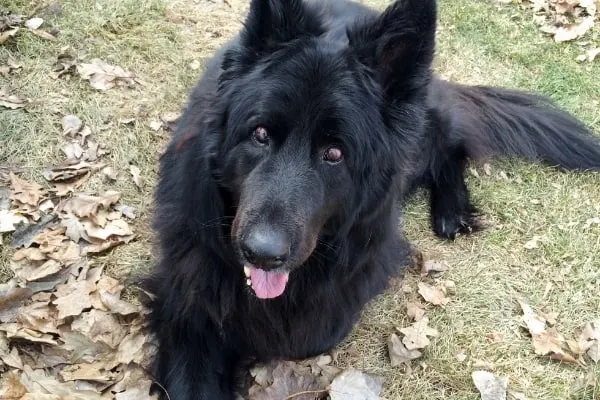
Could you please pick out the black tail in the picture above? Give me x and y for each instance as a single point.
(491, 121)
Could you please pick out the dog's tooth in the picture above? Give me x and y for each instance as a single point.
(247, 271)
(248, 282)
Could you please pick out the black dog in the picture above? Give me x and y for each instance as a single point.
(276, 205)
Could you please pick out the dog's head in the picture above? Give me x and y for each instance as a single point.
(315, 126)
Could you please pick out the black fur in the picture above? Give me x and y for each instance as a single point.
(314, 76)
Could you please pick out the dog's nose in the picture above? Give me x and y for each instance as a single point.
(265, 247)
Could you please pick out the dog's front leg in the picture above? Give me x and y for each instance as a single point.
(192, 363)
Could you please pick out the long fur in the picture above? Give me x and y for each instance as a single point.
(318, 74)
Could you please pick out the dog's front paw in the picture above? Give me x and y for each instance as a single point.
(448, 226)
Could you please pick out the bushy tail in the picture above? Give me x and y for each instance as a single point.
(491, 121)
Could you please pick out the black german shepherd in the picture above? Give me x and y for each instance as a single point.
(276, 207)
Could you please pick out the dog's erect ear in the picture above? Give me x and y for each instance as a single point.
(399, 45)
(272, 22)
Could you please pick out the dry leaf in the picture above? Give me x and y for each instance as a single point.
(491, 387)
(432, 268)
(535, 324)
(414, 311)
(71, 125)
(87, 206)
(43, 34)
(398, 353)
(25, 192)
(533, 243)
(4, 36)
(66, 172)
(8, 220)
(111, 228)
(355, 385)
(11, 387)
(72, 298)
(110, 173)
(73, 151)
(415, 336)
(11, 102)
(34, 23)
(288, 379)
(103, 76)
(155, 125)
(135, 173)
(432, 294)
(551, 342)
(573, 31)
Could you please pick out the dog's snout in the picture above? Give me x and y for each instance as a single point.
(265, 247)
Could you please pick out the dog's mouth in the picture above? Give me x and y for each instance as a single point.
(266, 284)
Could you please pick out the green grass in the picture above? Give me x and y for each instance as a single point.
(479, 43)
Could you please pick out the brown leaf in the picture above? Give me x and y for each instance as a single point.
(50, 239)
(535, 324)
(71, 125)
(103, 76)
(135, 173)
(73, 298)
(415, 336)
(87, 206)
(355, 385)
(94, 371)
(4, 36)
(573, 31)
(11, 298)
(13, 330)
(8, 220)
(43, 34)
(287, 381)
(103, 245)
(414, 311)
(11, 387)
(117, 227)
(39, 316)
(100, 326)
(25, 192)
(38, 383)
(74, 228)
(432, 294)
(491, 387)
(116, 305)
(66, 172)
(432, 268)
(73, 151)
(551, 342)
(63, 188)
(34, 23)
(398, 353)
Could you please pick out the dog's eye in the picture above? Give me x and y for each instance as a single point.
(260, 135)
(333, 155)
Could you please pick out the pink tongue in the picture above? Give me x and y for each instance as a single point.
(267, 284)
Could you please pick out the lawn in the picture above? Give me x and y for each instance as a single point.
(165, 43)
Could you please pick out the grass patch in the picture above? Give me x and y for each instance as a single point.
(479, 43)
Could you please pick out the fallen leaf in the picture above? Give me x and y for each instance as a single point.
(110, 173)
(491, 387)
(34, 23)
(4, 36)
(71, 125)
(73, 151)
(287, 381)
(135, 173)
(25, 235)
(43, 34)
(573, 31)
(72, 299)
(398, 353)
(432, 294)
(8, 220)
(535, 324)
(552, 343)
(533, 243)
(414, 311)
(415, 336)
(11, 387)
(103, 76)
(495, 337)
(155, 125)
(355, 385)
(88, 206)
(25, 192)
(69, 171)
(432, 268)
(592, 54)
(127, 211)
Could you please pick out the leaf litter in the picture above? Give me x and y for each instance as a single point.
(65, 330)
(547, 340)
